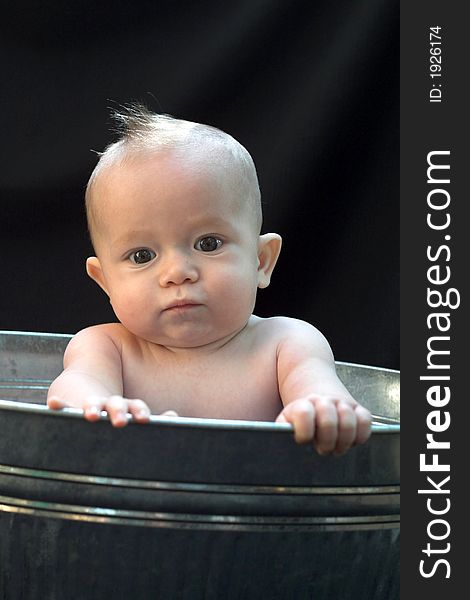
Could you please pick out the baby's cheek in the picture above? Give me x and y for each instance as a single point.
(129, 309)
(236, 294)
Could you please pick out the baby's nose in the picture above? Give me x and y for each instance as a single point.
(177, 269)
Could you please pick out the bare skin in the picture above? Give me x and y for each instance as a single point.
(243, 379)
(181, 262)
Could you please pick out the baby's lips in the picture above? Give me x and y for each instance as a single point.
(182, 303)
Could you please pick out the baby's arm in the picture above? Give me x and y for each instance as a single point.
(92, 380)
(315, 401)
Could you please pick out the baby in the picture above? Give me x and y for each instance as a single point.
(174, 215)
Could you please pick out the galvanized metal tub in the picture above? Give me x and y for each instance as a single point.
(189, 508)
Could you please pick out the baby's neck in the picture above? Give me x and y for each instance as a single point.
(205, 349)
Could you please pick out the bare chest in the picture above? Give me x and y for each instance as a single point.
(209, 387)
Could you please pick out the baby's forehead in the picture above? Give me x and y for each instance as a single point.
(211, 161)
(165, 171)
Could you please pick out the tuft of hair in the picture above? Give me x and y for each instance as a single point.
(138, 126)
(141, 131)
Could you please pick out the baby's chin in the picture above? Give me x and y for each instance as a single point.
(191, 340)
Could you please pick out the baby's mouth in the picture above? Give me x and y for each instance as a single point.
(181, 306)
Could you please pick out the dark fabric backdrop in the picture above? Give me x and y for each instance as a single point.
(309, 87)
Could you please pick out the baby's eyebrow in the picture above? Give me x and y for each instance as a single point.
(131, 236)
(197, 225)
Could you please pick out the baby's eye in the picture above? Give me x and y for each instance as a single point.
(208, 244)
(142, 256)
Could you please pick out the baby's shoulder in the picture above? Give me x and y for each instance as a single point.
(98, 337)
(284, 327)
(297, 342)
(290, 335)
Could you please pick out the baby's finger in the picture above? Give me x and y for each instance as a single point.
(169, 413)
(116, 407)
(346, 427)
(139, 410)
(364, 422)
(301, 414)
(326, 426)
(93, 407)
(56, 403)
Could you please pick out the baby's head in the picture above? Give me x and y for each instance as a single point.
(174, 213)
(144, 134)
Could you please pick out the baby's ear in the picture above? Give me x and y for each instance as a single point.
(269, 246)
(94, 270)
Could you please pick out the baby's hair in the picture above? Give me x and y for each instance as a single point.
(141, 131)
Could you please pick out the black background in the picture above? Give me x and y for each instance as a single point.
(310, 88)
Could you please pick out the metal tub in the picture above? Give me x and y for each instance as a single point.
(189, 508)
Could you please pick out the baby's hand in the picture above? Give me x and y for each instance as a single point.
(333, 425)
(117, 408)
